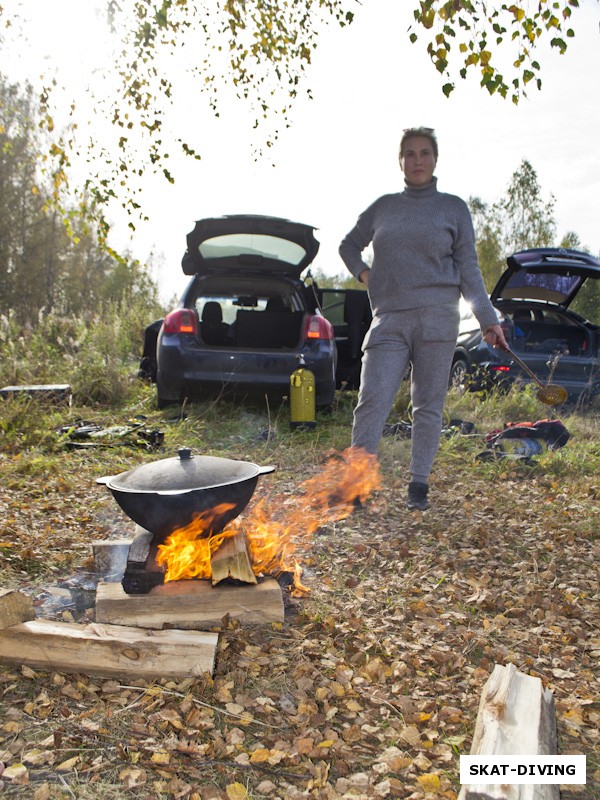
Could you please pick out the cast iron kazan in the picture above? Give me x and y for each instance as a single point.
(165, 495)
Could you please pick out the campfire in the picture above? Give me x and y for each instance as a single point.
(182, 573)
(270, 538)
(276, 532)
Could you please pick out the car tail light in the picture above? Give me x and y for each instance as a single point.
(317, 327)
(183, 320)
(500, 368)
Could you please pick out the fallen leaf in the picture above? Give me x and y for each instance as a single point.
(27, 672)
(68, 764)
(14, 771)
(36, 757)
(429, 782)
(171, 716)
(132, 777)
(161, 758)
(236, 791)
(259, 756)
(42, 792)
(411, 734)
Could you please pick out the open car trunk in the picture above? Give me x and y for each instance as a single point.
(556, 345)
(548, 337)
(269, 330)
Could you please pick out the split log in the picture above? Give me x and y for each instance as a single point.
(110, 556)
(516, 717)
(232, 560)
(108, 650)
(140, 546)
(15, 607)
(191, 604)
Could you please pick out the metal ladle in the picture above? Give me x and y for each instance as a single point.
(552, 394)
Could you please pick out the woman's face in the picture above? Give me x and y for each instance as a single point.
(417, 161)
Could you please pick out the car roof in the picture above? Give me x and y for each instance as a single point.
(249, 243)
(553, 275)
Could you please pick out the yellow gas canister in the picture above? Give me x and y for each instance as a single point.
(302, 398)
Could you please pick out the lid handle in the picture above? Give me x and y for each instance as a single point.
(185, 453)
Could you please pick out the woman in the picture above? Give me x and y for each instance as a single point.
(424, 259)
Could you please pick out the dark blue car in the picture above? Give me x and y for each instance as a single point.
(533, 299)
(246, 317)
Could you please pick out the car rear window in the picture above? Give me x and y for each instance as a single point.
(252, 244)
(540, 286)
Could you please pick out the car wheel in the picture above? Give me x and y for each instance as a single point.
(164, 396)
(147, 370)
(458, 373)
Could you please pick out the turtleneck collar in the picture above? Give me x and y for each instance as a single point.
(421, 191)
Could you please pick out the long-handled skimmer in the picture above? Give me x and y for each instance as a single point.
(552, 394)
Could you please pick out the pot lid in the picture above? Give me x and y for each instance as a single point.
(184, 473)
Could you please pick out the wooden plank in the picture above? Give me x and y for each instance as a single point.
(232, 560)
(516, 717)
(15, 607)
(56, 392)
(108, 650)
(192, 604)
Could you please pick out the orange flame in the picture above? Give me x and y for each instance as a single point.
(278, 528)
(186, 552)
(299, 589)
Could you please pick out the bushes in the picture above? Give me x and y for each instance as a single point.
(98, 356)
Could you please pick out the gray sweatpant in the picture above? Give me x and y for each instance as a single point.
(425, 337)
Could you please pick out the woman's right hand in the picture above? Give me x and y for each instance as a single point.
(494, 336)
(364, 277)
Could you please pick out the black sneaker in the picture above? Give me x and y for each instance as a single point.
(417, 496)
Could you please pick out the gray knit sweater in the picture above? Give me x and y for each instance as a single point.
(423, 253)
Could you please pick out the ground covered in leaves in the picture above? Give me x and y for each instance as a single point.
(370, 687)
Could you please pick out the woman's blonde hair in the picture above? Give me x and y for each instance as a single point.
(408, 133)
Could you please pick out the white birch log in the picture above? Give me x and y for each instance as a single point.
(516, 717)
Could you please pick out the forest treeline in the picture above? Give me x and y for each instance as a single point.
(51, 259)
(53, 262)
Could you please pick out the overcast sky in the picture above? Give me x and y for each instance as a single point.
(368, 83)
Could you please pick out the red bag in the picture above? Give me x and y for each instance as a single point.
(551, 431)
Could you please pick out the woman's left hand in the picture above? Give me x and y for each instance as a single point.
(494, 336)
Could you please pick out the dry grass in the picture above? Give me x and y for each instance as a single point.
(371, 686)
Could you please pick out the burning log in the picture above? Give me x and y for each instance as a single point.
(214, 558)
(141, 571)
(232, 560)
